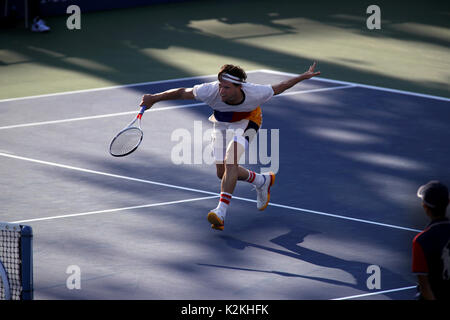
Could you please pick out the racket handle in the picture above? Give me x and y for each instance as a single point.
(139, 116)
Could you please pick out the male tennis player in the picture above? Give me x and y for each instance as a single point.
(236, 106)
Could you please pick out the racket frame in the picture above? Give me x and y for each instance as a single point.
(130, 126)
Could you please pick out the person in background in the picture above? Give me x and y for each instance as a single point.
(37, 25)
(431, 247)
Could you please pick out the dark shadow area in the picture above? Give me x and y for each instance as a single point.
(112, 45)
(291, 243)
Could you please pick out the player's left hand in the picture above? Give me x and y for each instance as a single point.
(310, 73)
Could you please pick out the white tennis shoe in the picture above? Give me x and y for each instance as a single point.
(39, 25)
(217, 219)
(263, 192)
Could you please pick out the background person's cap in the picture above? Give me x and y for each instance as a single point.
(434, 194)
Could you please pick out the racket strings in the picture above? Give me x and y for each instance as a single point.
(126, 141)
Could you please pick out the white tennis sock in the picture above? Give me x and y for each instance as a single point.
(224, 202)
(255, 179)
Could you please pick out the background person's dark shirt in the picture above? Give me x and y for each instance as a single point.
(431, 256)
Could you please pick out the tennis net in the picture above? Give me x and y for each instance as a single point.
(16, 262)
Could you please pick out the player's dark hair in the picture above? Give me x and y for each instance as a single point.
(234, 71)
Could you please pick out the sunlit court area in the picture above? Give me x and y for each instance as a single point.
(347, 149)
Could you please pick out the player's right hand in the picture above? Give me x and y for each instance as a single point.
(147, 101)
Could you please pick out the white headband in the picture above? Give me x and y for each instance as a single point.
(229, 77)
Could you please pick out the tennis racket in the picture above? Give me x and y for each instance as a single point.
(129, 138)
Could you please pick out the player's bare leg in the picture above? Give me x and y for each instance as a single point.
(232, 172)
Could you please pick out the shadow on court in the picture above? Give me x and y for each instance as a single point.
(291, 242)
(171, 41)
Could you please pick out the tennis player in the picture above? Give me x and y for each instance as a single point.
(236, 107)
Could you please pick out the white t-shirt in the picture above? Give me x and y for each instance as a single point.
(255, 95)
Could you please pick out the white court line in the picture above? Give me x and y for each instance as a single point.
(209, 76)
(290, 93)
(139, 84)
(32, 124)
(114, 210)
(200, 191)
(106, 88)
(341, 217)
(376, 293)
(53, 164)
(415, 94)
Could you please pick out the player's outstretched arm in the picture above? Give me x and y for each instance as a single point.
(149, 100)
(284, 85)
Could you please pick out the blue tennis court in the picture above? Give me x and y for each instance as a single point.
(349, 160)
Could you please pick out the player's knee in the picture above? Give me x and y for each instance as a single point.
(232, 168)
(220, 170)
(220, 173)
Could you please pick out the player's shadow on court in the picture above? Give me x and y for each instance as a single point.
(292, 242)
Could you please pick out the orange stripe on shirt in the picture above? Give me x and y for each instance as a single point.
(255, 116)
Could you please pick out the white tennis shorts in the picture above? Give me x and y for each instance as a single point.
(225, 133)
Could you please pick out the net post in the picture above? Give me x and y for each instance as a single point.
(27, 262)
